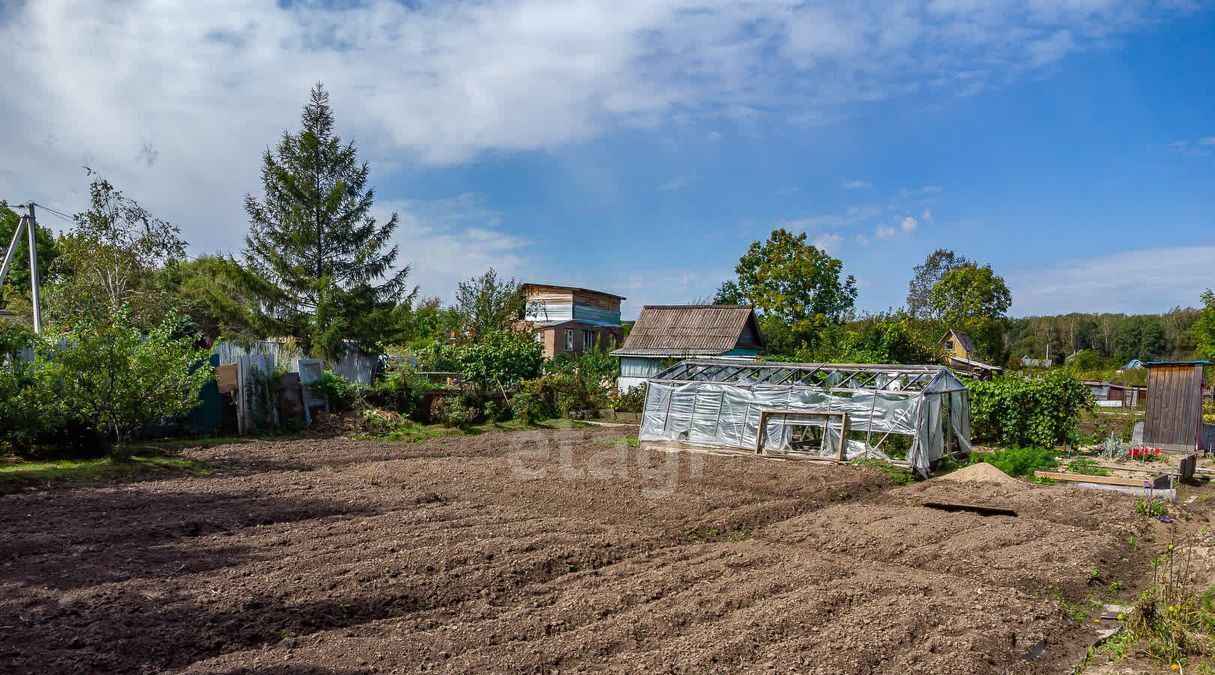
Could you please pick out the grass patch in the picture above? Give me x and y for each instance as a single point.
(15, 472)
(1018, 461)
(898, 475)
(1087, 467)
(625, 442)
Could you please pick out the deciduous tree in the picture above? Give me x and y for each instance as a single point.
(489, 302)
(925, 278)
(794, 281)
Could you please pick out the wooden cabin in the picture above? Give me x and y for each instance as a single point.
(960, 355)
(570, 320)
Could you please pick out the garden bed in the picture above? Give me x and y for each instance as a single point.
(548, 550)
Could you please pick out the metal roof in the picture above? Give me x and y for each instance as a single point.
(834, 376)
(690, 330)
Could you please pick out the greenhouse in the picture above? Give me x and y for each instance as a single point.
(911, 415)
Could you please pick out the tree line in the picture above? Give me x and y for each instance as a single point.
(806, 306)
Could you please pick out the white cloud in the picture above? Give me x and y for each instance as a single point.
(447, 241)
(1208, 141)
(855, 185)
(175, 101)
(908, 225)
(927, 216)
(884, 232)
(714, 136)
(1145, 280)
(829, 242)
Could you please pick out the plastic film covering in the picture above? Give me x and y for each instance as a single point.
(726, 415)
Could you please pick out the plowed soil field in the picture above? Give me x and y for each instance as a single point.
(547, 551)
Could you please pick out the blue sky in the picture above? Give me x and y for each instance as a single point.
(638, 147)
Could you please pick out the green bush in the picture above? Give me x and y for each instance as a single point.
(497, 361)
(632, 401)
(402, 390)
(453, 411)
(1018, 461)
(28, 410)
(342, 393)
(97, 383)
(527, 407)
(1016, 411)
(564, 394)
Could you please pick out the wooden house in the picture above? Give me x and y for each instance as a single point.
(664, 334)
(960, 354)
(570, 320)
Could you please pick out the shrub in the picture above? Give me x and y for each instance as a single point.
(562, 394)
(527, 407)
(28, 410)
(113, 378)
(342, 393)
(497, 361)
(402, 390)
(632, 401)
(1018, 461)
(454, 412)
(1015, 411)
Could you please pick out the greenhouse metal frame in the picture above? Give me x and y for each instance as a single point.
(810, 410)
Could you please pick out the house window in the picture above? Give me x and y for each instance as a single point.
(588, 340)
(949, 345)
(569, 339)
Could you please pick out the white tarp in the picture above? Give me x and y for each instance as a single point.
(725, 414)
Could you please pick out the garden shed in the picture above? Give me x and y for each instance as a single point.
(906, 414)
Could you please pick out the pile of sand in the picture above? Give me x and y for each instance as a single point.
(981, 473)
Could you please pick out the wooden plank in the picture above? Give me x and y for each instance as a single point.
(1104, 480)
(225, 378)
(1187, 467)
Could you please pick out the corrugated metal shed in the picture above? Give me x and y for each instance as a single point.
(692, 330)
(1173, 417)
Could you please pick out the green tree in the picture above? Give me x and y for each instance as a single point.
(1203, 330)
(28, 408)
(313, 239)
(17, 283)
(220, 297)
(111, 376)
(925, 278)
(969, 293)
(488, 302)
(975, 299)
(110, 260)
(792, 280)
(1140, 337)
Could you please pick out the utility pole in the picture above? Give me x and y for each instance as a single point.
(32, 227)
(29, 222)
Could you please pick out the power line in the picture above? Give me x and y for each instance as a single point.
(56, 212)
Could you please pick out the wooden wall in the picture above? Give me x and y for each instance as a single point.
(1173, 416)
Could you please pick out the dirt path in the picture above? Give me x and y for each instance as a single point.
(538, 552)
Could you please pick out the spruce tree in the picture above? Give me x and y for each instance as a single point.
(313, 239)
